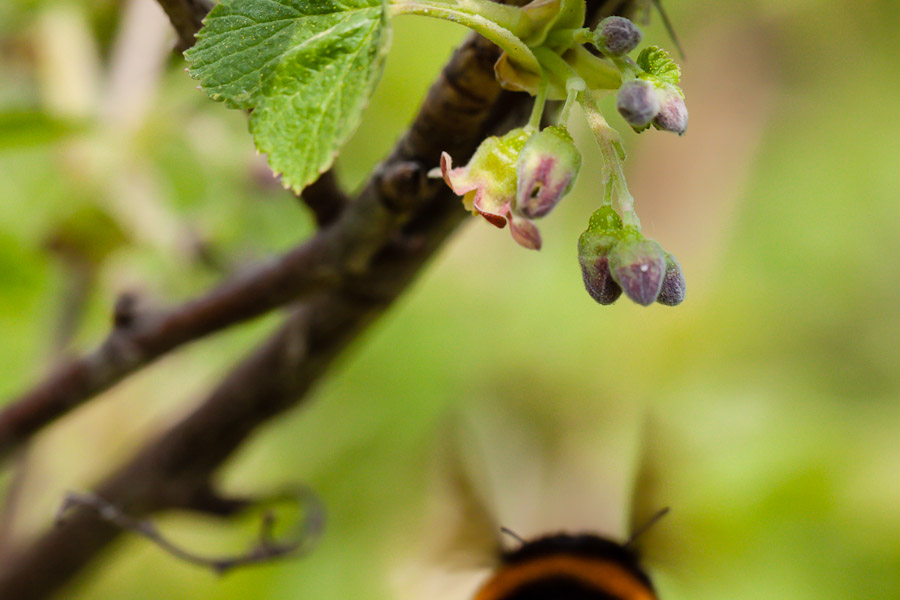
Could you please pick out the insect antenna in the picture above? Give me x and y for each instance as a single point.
(512, 534)
(647, 525)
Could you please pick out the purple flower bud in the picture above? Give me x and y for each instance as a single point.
(546, 169)
(594, 247)
(638, 265)
(616, 36)
(597, 279)
(673, 287)
(673, 114)
(637, 102)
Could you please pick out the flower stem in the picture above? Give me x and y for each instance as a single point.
(517, 50)
(573, 87)
(534, 122)
(597, 73)
(613, 158)
(553, 64)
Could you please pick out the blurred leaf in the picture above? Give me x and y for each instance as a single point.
(90, 233)
(22, 128)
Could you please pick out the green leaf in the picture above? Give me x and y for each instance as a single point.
(657, 62)
(306, 68)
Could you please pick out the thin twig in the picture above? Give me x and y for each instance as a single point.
(266, 548)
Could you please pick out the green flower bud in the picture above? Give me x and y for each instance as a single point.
(616, 36)
(594, 247)
(638, 265)
(673, 287)
(547, 168)
(638, 103)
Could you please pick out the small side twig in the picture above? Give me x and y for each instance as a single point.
(325, 199)
(187, 17)
(265, 549)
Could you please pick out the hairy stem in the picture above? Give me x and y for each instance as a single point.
(613, 158)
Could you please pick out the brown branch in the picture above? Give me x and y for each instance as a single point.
(186, 17)
(309, 268)
(397, 223)
(325, 199)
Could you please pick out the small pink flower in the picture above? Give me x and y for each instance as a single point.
(488, 185)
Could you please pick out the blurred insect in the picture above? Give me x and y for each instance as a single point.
(563, 483)
(575, 567)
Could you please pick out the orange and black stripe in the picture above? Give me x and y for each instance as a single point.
(570, 567)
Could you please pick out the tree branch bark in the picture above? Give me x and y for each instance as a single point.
(325, 199)
(392, 228)
(187, 18)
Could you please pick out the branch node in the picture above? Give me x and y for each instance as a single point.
(401, 185)
(125, 312)
(325, 198)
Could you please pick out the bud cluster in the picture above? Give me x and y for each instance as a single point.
(650, 94)
(521, 176)
(616, 258)
(643, 103)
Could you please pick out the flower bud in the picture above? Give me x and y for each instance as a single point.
(673, 114)
(598, 280)
(637, 102)
(673, 287)
(594, 247)
(638, 265)
(616, 36)
(546, 169)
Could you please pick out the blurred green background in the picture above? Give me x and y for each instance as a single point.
(772, 394)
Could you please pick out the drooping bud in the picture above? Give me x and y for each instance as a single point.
(594, 247)
(616, 36)
(673, 286)
(547, 168)
(673, 113)
(637, 102)
(638, 265)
